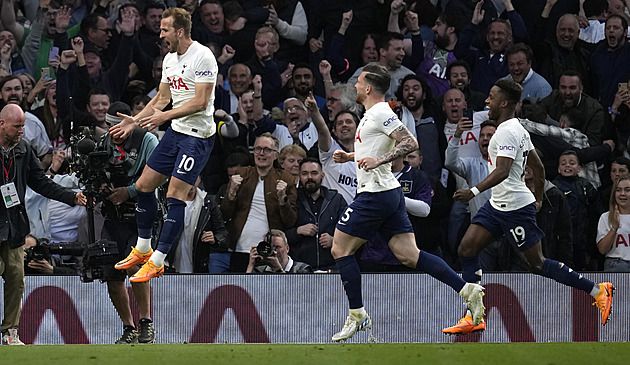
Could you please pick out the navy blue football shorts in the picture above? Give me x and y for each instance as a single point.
(181, 155)
(518, 226)
(383, 212)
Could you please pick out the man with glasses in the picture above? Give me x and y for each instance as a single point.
(297, 128)
(96, 32)
(258, 199)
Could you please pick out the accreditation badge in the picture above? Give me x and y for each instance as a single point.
(10, 195)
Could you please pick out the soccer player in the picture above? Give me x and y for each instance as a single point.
(380, 203)
(511, 210)
(188, 77)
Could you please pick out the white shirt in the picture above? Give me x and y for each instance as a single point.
(510, 140)
(621, 245)
(35, 135)
(373, 140)
(469, 145)
(339, 176)
(257, 224)
(307, 136)
(184, 258)
(182, 72)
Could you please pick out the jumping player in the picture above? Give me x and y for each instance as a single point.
(511, 210)
(380, 204)
(188, 77)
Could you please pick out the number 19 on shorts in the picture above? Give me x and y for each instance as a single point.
(519, 235)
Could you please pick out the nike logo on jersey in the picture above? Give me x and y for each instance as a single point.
(181, 172)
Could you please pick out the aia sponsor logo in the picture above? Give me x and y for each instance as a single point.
(176, 83)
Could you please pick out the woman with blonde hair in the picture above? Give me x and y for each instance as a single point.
(613, 230)
(290, 158)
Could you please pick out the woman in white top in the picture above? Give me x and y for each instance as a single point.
(613, 230)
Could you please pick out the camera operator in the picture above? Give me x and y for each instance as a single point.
(21, 168)
(126, 156)
(43, 263)
(272, 256)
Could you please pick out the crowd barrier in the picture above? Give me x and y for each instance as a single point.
(309, 308)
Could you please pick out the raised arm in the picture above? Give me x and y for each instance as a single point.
(9, 22)
(324, 142)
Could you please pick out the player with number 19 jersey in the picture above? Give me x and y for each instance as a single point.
(510, 140)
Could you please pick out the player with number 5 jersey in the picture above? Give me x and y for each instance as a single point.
(511, 210)
(188, 79)
(380, 204)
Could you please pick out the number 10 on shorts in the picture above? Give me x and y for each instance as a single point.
(187, 163)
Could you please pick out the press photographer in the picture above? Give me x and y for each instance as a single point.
(272, 256)
(21, 168)
(38, 259)
(126, 157)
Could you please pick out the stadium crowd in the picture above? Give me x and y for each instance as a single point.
(285, 101)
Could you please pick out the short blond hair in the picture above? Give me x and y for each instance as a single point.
(291, 149)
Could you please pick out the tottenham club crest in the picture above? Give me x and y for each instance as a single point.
(406, 185)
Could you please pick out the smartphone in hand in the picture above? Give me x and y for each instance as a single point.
(468, 113)
(54, 52)
(45, 73)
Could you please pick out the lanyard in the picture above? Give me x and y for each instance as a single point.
(122, 152)
(6, 172)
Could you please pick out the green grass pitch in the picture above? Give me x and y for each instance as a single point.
(346, 354)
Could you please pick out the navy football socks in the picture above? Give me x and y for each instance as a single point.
(145, 213)
(351, 279)
(440, 270)
(173, 224)
(471, 269)
(563, 274)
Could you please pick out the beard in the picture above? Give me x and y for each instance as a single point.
(311, 186)
(412, 108)
(441, 41)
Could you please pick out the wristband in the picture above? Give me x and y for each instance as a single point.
(474, 190)
(257, 96)
(612, 112)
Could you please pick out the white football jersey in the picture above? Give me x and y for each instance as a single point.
(373, 140)
(510, 140)
(339, 176)
(181, 73)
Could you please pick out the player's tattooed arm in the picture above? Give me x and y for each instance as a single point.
(405, 144)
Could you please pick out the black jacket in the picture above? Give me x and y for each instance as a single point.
(554, 218)
(210, 219)
(307, 248)
(24, 170)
